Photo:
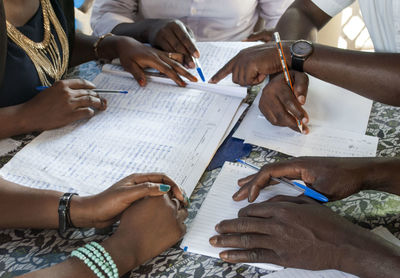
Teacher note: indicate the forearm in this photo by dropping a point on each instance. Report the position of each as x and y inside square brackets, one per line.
[83, 49]
[372, 75]
[74, 267]
[25, 207]
[382, 174]
[138, 30]
[374, 258]
[302, 20]
[14, 122]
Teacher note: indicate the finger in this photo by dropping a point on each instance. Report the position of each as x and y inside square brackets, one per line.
[246, 225]
[186, 41]
[164, 68]
[156, 178]
[78, 84]
[182, 214]
[82, 113]
[243, 241]
[290, 104]
[178, 57]
[245, 180]
[177, 46]
[88, 101]
[250, 256]
[302, 199]
[137, 72]
[178, 68]
[301, 82]
[223, 72]
[137, 192]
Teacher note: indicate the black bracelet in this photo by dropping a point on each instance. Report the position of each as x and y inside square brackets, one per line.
[64, 219]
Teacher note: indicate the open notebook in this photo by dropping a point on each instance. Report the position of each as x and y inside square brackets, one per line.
[219, 205]
[214, 56]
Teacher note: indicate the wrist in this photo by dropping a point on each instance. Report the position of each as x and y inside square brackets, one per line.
[121, 253]
[79, 212]
[382, 174]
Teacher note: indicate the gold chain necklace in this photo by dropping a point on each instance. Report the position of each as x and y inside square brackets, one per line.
[45, 55]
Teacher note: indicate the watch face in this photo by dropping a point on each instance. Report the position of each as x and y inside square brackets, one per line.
[302, 48]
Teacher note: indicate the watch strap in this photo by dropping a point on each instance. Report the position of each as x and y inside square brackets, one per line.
[64, 219]
[297, 63]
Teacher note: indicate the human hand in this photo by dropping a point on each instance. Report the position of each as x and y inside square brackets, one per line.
[147, 228]
[103, 209]
[172, 35]
[336, 178]
[281, 106]
[297, 232]
[252, 65]
[63, 103]
[263, 35]
[135, 57]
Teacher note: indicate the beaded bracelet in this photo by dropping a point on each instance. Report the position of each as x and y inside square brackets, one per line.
[97, 259]
[89, 263]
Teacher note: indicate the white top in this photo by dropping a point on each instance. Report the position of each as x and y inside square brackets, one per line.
[382, 18]
[210, 20]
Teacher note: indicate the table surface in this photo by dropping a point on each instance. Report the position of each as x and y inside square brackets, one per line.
[22, 251]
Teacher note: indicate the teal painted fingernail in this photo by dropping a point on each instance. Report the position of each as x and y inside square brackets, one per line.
[165, 187]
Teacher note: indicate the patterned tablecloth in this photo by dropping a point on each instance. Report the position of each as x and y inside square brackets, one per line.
[22, 251]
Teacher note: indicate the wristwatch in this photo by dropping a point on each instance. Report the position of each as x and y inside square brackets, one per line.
[300, 51]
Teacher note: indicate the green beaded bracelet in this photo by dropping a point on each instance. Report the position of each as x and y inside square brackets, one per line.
[110, 261]
[97, 259]
[88, 262]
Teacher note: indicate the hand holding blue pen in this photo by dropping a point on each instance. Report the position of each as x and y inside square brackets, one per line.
[298, 186]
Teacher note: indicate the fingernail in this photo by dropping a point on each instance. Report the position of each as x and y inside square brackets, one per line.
[196, 54]
[141, 82]
[217, 227]
[195, 79]
[304, 120]
[304, 132]
[183, 84]
[213, 240]
[164, 187]
[301, 99]
[191, 65]
[223, 255]
[235, 195]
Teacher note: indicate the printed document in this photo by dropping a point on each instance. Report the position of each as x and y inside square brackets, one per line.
[338, 121]
[158, 128]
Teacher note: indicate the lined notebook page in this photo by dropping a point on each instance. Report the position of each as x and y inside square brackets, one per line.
[219, 205]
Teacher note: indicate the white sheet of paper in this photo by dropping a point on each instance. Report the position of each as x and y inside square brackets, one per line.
[331, 106]
[214, 55]
[158, 128]
[219, 206]
[325, 137]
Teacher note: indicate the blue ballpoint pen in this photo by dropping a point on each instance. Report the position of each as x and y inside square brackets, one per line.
[302, 188]
[100, 91]
[199, 69]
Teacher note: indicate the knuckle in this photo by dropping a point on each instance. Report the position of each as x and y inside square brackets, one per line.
[253, 256]
[246, 240]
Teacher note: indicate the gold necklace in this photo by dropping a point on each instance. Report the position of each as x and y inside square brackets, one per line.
[45, 55]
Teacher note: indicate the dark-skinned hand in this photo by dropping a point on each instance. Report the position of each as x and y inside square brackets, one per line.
[336, 178]
[252, 65]
[66, 101]
[279, 104]
[298, 232]
[172, 35]
[148, 227]
[103, 209]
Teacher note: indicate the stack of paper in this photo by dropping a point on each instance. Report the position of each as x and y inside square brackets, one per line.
[338, 121]
[159, 128]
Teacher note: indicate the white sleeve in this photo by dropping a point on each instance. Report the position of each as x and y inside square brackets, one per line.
[272, 10]
[107, 14]
[333, 7]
